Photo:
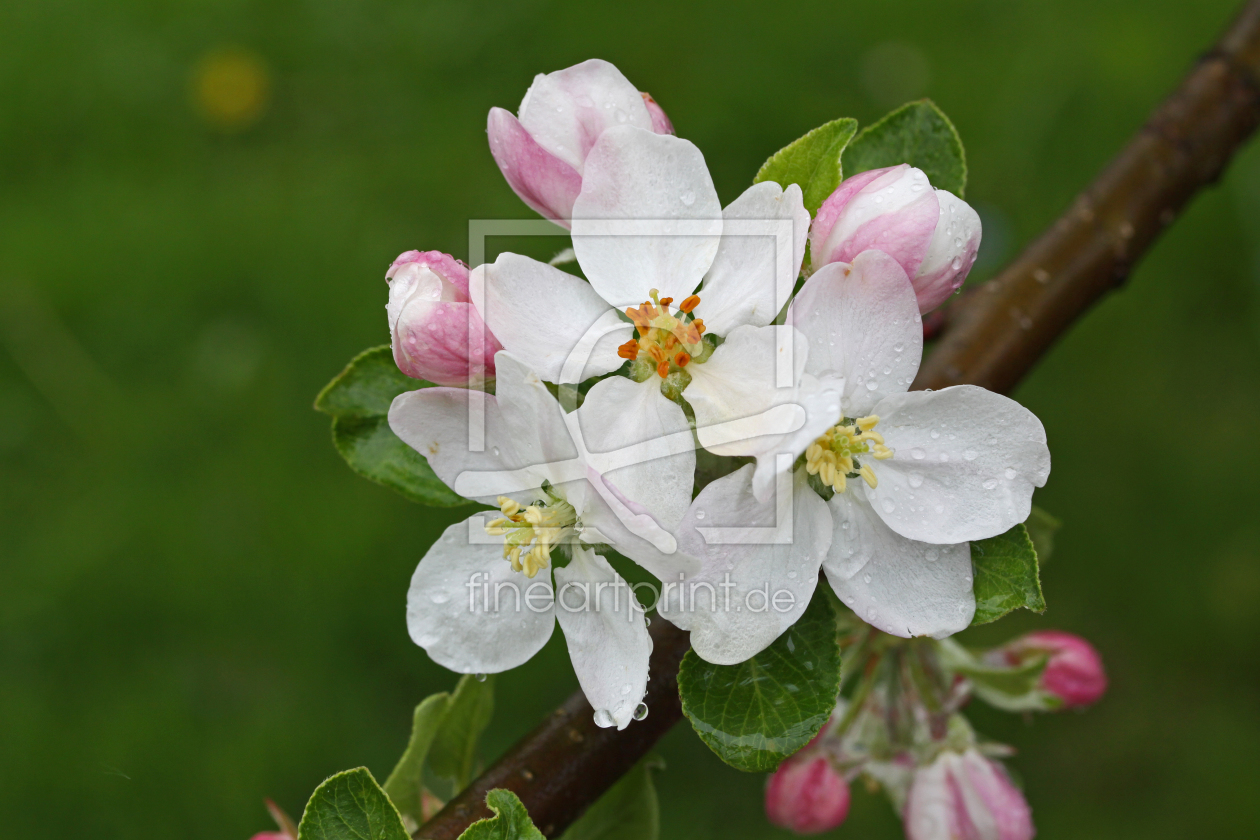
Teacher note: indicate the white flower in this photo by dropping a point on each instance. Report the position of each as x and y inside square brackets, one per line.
[476, 603]
[648, 230]
[914, 476]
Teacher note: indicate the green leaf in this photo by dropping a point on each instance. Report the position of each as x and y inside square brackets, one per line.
[358, 400]
[453, 754]
[405, 784]
[1005, 575]
[627, 811]
[917, 133]
[812, 161]
[351, 806]
[511, 820]
[1041, 529]
[759, 712]
[445, 730]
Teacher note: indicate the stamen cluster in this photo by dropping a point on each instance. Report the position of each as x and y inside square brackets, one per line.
[833, 455]
[666, 343]
[541, 525]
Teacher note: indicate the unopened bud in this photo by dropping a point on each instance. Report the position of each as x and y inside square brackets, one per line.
[965, 796]
[807, 795]
[435, 331]
[1074, 672]
[932, 233]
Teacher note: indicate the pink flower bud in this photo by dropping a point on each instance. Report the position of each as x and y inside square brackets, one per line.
[430, 317]
[807, 795]
[965, 796]
[932, 233]
[1074, 672]
[542, 153]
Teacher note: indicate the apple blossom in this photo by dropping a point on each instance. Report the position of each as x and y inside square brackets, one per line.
[965, 796]
[807, 795]
[472, 604]
[909, 479]
[435, 332]
[543, 152]
[648, 230]
[933, 234]
[1074, 672]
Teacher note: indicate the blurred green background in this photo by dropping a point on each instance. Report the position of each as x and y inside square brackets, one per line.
[200, 605]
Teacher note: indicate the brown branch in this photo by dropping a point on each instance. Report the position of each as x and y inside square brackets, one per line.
[991, 337]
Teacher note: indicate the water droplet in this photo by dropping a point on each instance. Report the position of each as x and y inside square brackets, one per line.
[699, 514]
[889, 505]
[625, 689]
[495, 450]
[967, 578]
[970, 454]
[621, 115]
[872, 385]
[1010, 474]
[479, 677]
[879, 199]
[989, 484]
[604, 719]
[916, 187]
[439, 597]
[916, 479]
[917, 454]
[845, 525]
[957, 242]
[688, 198]
[932, 555]
[956, 264]
[866, 578]
[898, 347]
[935, 434]
[640, 711]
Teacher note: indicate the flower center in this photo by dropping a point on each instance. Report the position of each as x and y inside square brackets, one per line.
[529, 533]
[833, 457]
[665, 343]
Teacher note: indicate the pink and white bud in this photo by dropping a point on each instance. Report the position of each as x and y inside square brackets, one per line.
[807, 795]
[1074, 672]
[965, 796]
[932, 233]
[435, 331]
[543, 150]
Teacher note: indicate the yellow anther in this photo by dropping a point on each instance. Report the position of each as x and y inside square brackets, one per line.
[833, 456]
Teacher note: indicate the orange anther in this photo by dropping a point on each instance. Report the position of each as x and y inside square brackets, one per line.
[666, 301]
[681, 359]
[629, 350]
[662, 370]
[657, 354]
[690, 303]
[699, 322]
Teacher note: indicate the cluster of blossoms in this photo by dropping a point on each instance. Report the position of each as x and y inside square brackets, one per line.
[576, 405]
[902, 731]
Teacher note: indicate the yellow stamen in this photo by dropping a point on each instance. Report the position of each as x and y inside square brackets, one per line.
[530, 533]
[833, 457]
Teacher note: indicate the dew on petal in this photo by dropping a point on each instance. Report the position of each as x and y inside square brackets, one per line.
[1010, 474]
[932, 555]
[604, 719]
[640, 711]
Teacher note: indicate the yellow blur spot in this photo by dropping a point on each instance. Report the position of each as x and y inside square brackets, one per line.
[231, 88]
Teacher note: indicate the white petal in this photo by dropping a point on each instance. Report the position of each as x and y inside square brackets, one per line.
[607, 637]
[965, 465]
[754, 371]
[471, 612]
[763, 243]
[863, 325]
[641, 442]
[544, 316]
[900, 586]
[647, 218]
[523, 431]
[754, 552]
[566, 111]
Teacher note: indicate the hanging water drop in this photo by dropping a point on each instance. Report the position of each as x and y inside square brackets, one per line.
[479, 677]
[604, 719]
[640, 711]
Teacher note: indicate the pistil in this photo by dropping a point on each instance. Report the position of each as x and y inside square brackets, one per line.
[530, 533]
